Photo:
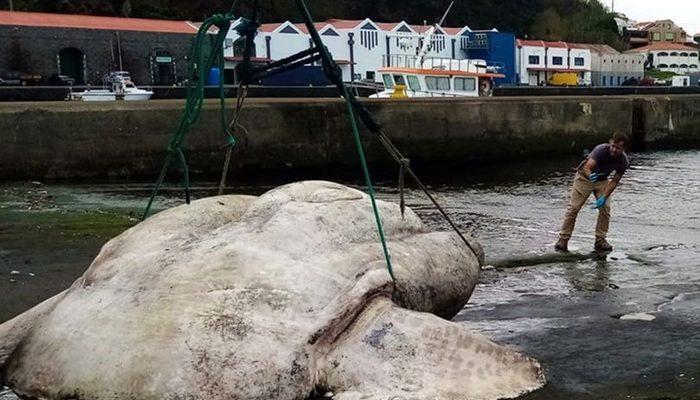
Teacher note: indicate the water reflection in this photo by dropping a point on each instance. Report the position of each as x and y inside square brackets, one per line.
[595, 279]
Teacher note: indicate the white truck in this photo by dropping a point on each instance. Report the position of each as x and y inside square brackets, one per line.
[680, 80]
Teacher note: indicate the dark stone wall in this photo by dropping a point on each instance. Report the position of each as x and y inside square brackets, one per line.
[128, 139]
[35, 50]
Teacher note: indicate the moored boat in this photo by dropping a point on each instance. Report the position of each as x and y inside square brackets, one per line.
[117, 85]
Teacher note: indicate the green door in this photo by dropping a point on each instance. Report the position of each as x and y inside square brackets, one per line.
[71, 62]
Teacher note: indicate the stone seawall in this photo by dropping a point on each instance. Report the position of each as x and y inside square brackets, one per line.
[122, 140]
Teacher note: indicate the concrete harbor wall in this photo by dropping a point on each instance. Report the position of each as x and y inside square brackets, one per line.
[54, 140]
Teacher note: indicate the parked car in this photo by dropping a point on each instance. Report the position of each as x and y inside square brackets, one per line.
[15, 78]
[11, 79]
[680, 81]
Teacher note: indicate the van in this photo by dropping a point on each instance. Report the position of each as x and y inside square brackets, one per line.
[680, 81]
[563, 79]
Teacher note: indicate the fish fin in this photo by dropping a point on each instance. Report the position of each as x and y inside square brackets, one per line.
[15, 330]
[390, 351]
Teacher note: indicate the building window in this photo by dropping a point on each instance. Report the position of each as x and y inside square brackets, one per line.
[604, 80]
[693, 55]
[437, 43]
[674, 65]
[669, 37]
[685, 66]
[618, 81]
[369, 39]
[662, 54]
[684, 54]
[557, 60]
[657, 36]
[674, 54]
[693, 66]
[663, 65]
[533, 60]
[437, 83]
[578, 61]
[465, 84]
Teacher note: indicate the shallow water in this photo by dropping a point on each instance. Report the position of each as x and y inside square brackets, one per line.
[566, 311]
[563, 310]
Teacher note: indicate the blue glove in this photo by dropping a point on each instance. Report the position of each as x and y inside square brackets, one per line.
[600, 202]
[593, 177]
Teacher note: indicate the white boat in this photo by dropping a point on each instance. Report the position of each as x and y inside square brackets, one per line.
[117, 86]
[413, 76]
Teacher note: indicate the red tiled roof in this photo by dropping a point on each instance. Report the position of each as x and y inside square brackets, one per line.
[344, 23]
[318, 25]
[661, 47]
[452, 31]
[94, 22]
[351, 24]
[534, 43]
[560, 45]
[387, 26]
[269, 27]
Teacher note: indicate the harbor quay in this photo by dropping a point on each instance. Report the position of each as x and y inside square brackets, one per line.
[62, 140]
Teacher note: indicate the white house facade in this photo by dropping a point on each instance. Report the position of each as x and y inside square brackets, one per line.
[538, 60]
[671, 57]
[361, 47]
[609, 67]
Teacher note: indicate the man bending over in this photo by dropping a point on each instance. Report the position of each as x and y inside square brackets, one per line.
[592, 177]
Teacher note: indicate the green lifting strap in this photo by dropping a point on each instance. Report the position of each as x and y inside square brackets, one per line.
[200, 65]
[333, 72]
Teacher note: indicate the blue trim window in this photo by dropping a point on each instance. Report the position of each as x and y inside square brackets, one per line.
[578, 61]
[533, 60]
[557, 60]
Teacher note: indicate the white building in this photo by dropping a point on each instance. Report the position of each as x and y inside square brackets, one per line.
[538, 60]
[609, 67]
[360, 47]
[670, 57]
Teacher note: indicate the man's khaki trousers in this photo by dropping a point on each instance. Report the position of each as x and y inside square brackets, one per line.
[580, 191]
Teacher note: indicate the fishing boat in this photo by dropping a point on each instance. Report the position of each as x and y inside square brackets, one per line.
[117, 85]
[416, 76]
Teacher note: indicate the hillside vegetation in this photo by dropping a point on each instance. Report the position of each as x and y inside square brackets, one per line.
[569, 20]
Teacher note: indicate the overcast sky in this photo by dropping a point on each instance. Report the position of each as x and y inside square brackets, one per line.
[685, 13]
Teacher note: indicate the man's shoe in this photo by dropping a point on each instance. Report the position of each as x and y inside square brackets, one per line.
[562, 245]
[602, 245]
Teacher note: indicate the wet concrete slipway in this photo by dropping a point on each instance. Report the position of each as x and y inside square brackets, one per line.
[620, 326]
